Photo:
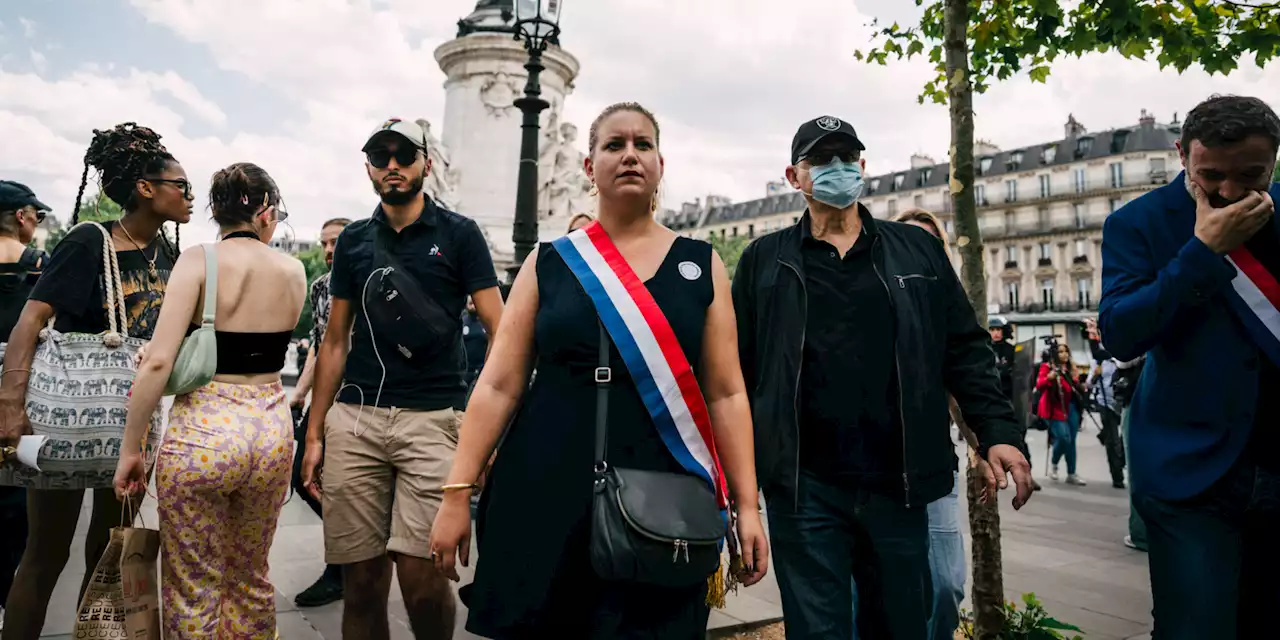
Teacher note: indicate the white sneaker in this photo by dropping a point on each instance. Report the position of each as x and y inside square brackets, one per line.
[1075, 479]
[1053, 473]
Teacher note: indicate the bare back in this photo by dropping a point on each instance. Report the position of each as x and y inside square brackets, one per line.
[260, 290]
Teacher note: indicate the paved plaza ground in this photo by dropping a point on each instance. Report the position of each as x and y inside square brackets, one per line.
[1065, 546]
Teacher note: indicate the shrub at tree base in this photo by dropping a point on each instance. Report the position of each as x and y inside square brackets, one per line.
[1031, 623]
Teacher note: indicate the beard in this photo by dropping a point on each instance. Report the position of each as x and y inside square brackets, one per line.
[398, 194]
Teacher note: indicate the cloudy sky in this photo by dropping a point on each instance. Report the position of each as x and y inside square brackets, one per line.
[295, 85]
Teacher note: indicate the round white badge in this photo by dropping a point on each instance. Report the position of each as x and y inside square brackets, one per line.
[828, 123]
[690, 271]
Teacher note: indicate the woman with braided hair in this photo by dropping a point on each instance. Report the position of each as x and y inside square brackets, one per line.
[139, 174]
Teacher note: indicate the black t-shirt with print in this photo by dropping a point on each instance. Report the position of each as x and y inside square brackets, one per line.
[73, 284]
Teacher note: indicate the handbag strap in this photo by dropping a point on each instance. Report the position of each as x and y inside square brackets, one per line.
[603, 376]
[210, 286]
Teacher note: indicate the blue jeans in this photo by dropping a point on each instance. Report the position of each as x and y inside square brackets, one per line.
[1213, 558]
[828, 537]
[946, 565]
[1064, 439]
[1137, 530]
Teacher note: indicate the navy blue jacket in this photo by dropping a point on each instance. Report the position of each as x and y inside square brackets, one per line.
[1163, 295]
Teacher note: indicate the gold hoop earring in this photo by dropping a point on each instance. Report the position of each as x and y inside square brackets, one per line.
[595, 191]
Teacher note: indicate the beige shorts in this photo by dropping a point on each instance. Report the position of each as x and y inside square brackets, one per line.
[382, 482]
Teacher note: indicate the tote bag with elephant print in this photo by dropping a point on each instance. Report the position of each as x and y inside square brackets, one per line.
[77, 391]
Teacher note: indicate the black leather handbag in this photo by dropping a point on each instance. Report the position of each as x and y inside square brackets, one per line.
[650, 527]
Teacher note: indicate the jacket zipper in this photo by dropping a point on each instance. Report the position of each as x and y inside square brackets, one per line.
[897, 370]
[795, 390]
[902, 280]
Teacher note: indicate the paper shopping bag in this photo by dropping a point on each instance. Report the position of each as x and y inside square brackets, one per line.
[122, 600]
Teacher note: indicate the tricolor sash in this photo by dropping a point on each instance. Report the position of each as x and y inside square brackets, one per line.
[650, 350]
[1255, 297]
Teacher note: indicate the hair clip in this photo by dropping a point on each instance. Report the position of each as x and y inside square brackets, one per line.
[244, 200]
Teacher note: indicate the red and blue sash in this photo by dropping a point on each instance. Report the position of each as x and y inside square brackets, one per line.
[650, 350]
[1255, 297]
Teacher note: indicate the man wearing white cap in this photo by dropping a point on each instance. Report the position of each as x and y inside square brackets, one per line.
[399, 282]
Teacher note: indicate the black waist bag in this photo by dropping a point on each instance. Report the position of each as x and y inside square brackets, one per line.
[403, 314]
[650, 527]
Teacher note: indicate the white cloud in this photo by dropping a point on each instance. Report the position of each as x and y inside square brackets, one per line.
[729, 80]
[39, 62]
[28, 27]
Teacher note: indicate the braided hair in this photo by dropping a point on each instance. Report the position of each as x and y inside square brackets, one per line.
[123, 155]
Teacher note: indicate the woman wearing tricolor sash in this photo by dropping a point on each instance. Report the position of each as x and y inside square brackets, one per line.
[676, 404]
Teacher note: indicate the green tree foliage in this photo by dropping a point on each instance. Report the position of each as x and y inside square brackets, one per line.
[730, 250]
[313, 260]
[1009, 36]
[96, 208]
[1275, 177]
[971, 44]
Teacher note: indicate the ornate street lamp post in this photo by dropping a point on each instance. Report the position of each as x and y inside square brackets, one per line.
[537, 24]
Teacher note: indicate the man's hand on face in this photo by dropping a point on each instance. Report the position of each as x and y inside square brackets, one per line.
[1007, 460]
[1226, 228]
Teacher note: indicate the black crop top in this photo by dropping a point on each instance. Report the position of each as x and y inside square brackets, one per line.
[250, 353]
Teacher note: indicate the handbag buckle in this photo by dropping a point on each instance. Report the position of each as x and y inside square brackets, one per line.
[604, 375]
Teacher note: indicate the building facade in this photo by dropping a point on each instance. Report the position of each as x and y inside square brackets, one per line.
[1040, 210]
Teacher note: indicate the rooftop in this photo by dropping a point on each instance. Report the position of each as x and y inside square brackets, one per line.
[1077, 145]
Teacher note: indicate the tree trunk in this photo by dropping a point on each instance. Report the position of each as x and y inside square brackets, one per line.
[984, 519]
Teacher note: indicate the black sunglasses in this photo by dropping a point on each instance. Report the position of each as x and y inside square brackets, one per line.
[825, 156]
[181, 182]
[381, 157]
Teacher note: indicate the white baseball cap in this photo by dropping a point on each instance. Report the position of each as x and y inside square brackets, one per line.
[407, 129]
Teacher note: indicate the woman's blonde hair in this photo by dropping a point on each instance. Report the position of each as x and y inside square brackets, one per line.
[927, 218]
[580, 216]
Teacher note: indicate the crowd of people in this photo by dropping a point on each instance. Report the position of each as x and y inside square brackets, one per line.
[610, 423]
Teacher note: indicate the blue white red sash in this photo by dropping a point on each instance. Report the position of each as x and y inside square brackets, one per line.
[1256, 301]
[650, 350]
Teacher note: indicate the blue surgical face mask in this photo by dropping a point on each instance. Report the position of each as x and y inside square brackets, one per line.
[837, 183]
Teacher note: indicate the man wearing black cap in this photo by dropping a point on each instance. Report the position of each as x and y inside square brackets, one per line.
[852, 332]
[399, 282]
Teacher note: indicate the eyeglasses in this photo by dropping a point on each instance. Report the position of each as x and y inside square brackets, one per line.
[181, 182]
[824, 157]
[381, 157]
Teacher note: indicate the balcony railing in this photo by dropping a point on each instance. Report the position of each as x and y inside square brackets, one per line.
[1074, 191]
[1005, 231]
[1063, 306]
[1080, 260]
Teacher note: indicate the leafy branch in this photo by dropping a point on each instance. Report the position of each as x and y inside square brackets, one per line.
[1008, 36]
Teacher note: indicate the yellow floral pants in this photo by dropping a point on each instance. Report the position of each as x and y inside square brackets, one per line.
[221, 478]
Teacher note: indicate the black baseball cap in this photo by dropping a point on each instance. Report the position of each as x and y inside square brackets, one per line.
[819, 129]
[15, 195]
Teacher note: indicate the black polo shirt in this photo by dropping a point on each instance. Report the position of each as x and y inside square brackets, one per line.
[848, 385]
[448, 256]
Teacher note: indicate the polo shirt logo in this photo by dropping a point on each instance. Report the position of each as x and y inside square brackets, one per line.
[435, 250]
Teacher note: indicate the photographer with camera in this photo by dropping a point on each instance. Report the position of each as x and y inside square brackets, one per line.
[1057, 406]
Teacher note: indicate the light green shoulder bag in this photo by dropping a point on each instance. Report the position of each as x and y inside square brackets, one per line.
[197, 360]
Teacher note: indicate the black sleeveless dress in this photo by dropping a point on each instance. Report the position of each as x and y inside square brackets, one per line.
[533, 575]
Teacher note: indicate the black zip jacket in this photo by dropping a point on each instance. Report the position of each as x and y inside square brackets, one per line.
[939, 348]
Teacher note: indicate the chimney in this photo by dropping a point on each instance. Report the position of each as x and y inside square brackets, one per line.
[920, 161]
[1073, 127]
[1146, 120]
[984, 148]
